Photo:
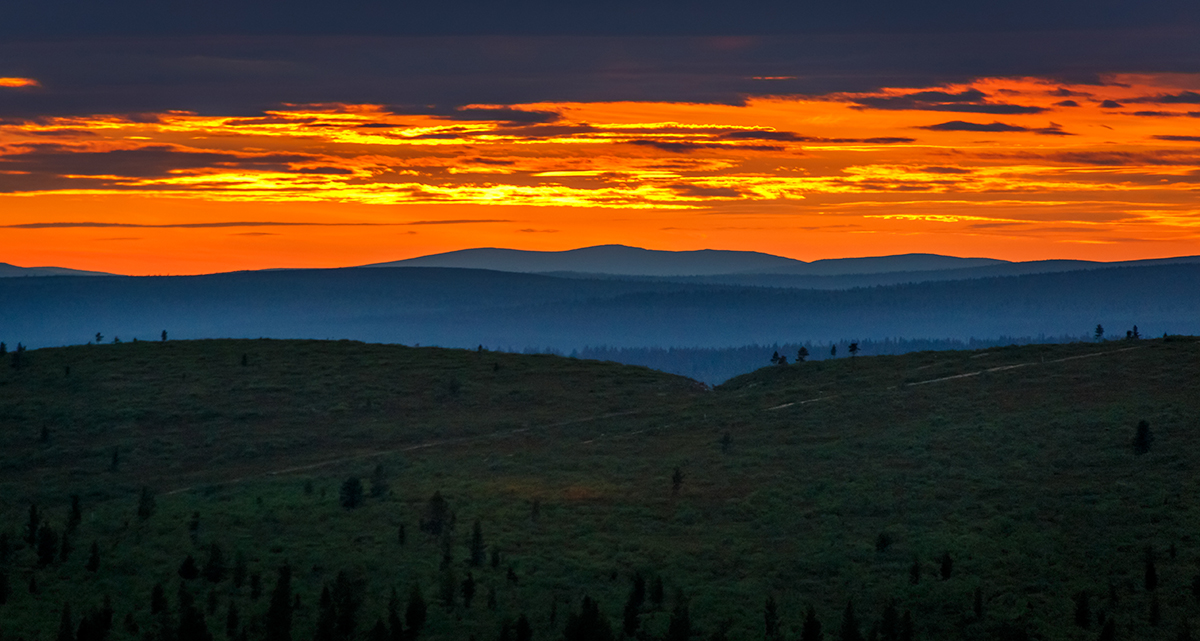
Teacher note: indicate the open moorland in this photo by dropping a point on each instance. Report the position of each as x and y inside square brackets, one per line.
[342, 490]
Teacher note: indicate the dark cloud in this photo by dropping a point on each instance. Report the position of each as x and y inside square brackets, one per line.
[946, 170]
[1066, 103]
[219, 225]
[476, 114]
[966, 101]
[155, 161]
[1063, 92]
[701, 192]
[538, 231]
[752, 134]
[1111, 104]
[996, 127]
[1181, 98]
[688, 147]
[465, 221]
[1177, 138]
[1167, 114]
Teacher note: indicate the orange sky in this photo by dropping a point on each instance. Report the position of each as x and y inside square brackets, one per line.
[1019, 169]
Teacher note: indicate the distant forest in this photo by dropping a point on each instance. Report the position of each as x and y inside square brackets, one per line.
[717, 365]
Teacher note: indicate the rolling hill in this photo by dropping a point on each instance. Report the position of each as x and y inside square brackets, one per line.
[981, 495]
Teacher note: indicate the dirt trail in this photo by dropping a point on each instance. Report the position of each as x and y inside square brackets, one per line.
[1002, 368]
[406, 448]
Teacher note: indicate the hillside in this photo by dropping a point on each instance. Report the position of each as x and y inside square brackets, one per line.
[812, 484]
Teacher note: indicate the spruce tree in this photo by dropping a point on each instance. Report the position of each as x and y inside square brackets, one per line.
[379, 632]
[75, 515]
[326, 617]
[1142, 438]
[415, 612]
[437, 515]
[679, 628]
[395, 628]
[93, 562]
[522, 631]
[771, 620]
[239, 569]
[158, 599]
[47, 546]
[812, 627]
[906, 627]
[633, 605]
[214, 567]
[5, 548]
[588, 624]
[468, 590]
[1083, 610]
[850, 630]
[1151, 579]
[188, 569]
[232, 620]
[1109, 631]
[351, 493]
[889, 623]
[947, 566]
[31, 527]
[4, 588]
[278, 622]
[66, 629]
[478, 549]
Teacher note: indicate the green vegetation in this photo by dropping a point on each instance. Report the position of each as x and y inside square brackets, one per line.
[979, 495]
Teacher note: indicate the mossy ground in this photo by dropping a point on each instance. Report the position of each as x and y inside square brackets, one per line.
[1024, 475]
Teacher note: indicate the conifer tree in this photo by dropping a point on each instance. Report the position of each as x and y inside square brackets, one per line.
[93, 562]
[812, 627]
[676, 480]
[1109, 631]
[1142, 438]
[214, 567]
[1083, 610]
[415, 612]
[947, 566]
[633, 605]
[468, 590]
[158, 599]
[4, 588]
[850, 630]
[522, 630]
[437, 514]
[679, 628]
[32, 525]
[232, 619]
[5, 548]
[478, 549]
[278, 621]
[348, 594]
[656, 592]
[326, 617]
[447, 588]
[1151, 580]
[239, 569]
[188, 569]
[395, 628]
[906, 627]
[588, 624]
[351, 493]
[771, 619]
[75, 515]
[47, 546]
[379, 632]
[66, 629]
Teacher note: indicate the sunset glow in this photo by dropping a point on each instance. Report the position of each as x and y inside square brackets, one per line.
[1018, 169]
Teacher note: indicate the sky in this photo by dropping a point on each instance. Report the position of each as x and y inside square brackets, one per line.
[153, 139]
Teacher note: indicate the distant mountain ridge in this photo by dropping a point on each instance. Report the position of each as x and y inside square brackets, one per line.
[13, 271]
[622, 260]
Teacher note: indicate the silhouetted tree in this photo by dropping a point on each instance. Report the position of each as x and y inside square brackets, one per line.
[478, 549]
[853, 350]
[232, 619]
[146, 503]
[782, 360]
[395, 628]
[633, 605]
[833, 351]
[801, 355]
[588, 624]
[99, 338]
[883, 542]
[415, 612]
[947, 566]
[158, 599]
[4, 587]
[812, 627]
[351, 493]
[522, 629]
[214, 567]
[1136, 335]
[47, 545]
[850, 630]
[676, 480]
[278, 621]
[32, 525]
[1099, 333]
[1083, 610]
[1196, 587]
[74, 515]
[679, 627]
[889, 623]
[1142, 439]
[437, 515]
[3, 348]
[164, 339]
[468, 590]
[775, 358]
[1151, 570]
[188, 569]
[239, 569]
[326, 628]
[66, 629]
[656, 592]
[5, 548]
[771, 620]
[1109, 631]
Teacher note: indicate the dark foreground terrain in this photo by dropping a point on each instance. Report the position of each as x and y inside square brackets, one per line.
[993, 494]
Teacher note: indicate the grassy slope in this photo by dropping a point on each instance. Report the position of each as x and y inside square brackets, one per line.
[1024, 475]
